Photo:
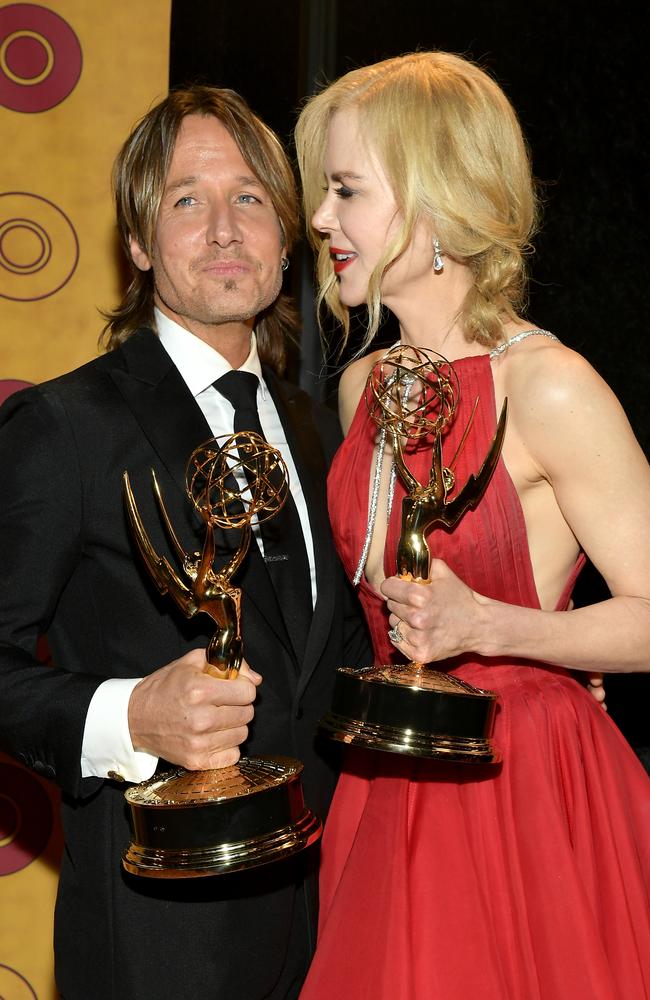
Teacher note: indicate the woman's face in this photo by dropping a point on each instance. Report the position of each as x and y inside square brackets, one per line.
[359, 216]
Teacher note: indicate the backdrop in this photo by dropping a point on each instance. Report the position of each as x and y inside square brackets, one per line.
[74, 76]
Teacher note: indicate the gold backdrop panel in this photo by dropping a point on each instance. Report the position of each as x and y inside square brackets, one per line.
[58, 258]
[74, 77]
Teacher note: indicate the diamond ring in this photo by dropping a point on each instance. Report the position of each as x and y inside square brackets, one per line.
[394, 634]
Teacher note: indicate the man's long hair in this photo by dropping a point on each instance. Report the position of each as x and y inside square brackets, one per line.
[139, 176]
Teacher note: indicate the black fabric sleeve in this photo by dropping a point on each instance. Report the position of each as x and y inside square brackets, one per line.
[41, 523]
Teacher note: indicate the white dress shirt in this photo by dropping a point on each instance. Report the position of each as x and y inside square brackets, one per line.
[107, 750]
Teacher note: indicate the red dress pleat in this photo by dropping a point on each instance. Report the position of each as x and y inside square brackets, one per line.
[524, 881]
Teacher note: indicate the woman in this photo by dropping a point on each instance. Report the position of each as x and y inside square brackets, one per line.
[526, 881]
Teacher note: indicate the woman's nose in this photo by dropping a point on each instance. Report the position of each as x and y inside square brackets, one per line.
[323, 219]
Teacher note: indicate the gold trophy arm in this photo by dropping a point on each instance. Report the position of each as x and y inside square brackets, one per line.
[208, 592]
[161, 572]
[223, 603]
[180, 551]
[230, 568]
[413, 556]
[204, 571]
[408, 478]
[435, 490]
[477, 483]
[225, 649]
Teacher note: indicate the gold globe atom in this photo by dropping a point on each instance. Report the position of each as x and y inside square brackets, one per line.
[213, 487]
[413, 391]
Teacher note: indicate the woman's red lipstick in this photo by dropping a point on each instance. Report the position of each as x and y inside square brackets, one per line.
[341, 258]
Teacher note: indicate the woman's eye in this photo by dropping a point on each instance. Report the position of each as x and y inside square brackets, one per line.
[343, 192]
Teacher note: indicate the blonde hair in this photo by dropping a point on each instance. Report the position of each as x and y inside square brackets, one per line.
[139, 176]
[452, 149]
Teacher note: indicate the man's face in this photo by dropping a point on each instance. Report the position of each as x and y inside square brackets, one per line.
[217, 247]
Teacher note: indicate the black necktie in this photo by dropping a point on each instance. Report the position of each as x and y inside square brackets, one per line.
[285, 554]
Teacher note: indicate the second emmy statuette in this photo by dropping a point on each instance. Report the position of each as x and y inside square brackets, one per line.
[192, 823]
[410, 708]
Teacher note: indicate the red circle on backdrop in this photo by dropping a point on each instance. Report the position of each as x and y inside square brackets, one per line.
[26, 819]
[40, 58]
[27, 57]
[7, 387]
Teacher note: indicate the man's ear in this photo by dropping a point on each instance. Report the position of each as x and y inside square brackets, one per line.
[138, 256]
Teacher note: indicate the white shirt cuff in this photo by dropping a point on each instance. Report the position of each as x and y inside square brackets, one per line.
[107, 750]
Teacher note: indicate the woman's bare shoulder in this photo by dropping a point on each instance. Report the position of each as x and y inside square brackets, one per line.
[540, 372]
[352, 384]
[559, 402]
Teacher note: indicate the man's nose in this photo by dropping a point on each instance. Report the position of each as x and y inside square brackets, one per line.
[223, 226]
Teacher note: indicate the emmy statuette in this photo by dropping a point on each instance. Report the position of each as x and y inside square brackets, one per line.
[193, 823]
[410, 708]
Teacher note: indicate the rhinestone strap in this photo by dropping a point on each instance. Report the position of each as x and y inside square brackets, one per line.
[374, 496]
[521, 336]
[372, 507]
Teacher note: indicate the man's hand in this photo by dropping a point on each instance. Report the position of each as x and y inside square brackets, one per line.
[190, 718]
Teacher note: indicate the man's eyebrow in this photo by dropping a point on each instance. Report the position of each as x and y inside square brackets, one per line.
[249, 180]
[181, 182]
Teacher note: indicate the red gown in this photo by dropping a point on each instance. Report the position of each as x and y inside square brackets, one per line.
[522, 881]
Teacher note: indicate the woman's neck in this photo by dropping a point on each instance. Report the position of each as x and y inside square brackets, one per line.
[429, 312]
[447, 339]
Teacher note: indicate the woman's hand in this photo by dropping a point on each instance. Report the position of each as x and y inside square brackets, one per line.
[437, 619]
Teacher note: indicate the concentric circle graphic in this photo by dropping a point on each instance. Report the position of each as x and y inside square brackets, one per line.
[39, 248]
[26, 820]
[14, 986]
[40, 58]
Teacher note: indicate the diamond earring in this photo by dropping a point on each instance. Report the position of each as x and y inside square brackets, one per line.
[438, 264]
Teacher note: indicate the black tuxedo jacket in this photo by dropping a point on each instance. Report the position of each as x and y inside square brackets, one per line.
[69, 569]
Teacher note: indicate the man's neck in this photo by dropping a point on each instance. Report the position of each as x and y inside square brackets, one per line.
[231, 340]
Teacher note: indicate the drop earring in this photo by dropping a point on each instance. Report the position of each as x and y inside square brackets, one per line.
[438, 264]
[284, 263]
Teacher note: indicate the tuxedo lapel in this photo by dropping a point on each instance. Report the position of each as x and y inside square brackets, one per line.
[173, 423]
[297, 420]
[157, 395]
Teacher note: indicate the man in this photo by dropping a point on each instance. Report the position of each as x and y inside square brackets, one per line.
[207, 212]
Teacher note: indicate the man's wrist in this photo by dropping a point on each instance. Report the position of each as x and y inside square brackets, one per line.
[107, 749]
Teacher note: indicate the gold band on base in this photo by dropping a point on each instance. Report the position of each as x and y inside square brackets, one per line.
[405, 741]
[223, 858]
[192, 823]
[400, 709]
